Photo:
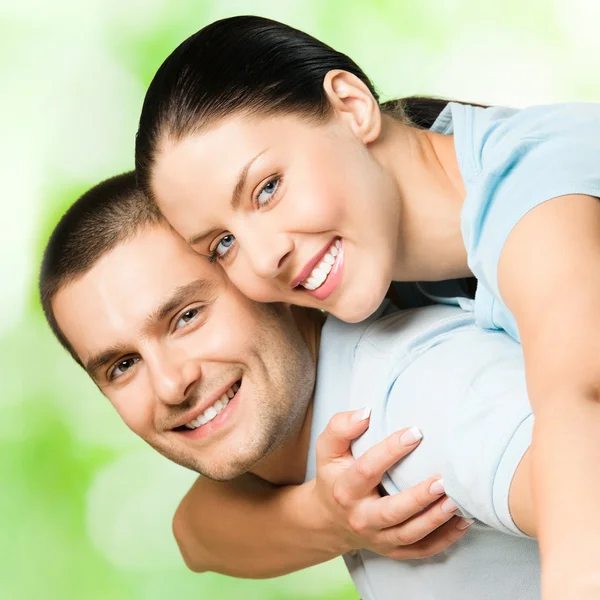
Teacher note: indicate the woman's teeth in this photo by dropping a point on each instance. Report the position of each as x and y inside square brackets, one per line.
[319, 274]
[212, 411]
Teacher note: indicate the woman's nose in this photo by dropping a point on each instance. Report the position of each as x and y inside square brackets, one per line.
[269, 257]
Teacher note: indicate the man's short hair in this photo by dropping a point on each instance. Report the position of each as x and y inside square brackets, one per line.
[107, 215]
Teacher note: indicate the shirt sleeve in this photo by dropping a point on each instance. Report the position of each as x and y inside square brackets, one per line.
[522, 159]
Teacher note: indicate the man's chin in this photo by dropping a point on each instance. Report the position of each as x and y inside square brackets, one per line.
[220, 472]
[216, 470]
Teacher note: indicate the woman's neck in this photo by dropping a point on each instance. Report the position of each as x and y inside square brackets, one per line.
[431, 192]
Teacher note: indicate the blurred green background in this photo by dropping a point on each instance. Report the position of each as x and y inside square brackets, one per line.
[85, 507]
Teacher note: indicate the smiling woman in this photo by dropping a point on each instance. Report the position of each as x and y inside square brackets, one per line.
[294, 120]
[270, 253]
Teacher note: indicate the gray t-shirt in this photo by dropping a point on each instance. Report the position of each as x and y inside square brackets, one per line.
[464, 387]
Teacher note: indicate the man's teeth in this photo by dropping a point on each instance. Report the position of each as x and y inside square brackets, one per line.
[212, 411]
[319, 274]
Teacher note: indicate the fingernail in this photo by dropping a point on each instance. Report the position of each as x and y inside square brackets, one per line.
[361, 414]
[449, 506]
[437, 487]
[408, 438]
[464, 524]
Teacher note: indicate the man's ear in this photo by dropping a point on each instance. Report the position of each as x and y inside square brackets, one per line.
[352, 101]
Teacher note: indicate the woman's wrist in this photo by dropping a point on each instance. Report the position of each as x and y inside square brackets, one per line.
[317, 518]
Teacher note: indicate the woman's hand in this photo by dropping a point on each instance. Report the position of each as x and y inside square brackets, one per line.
[416, 523]
[264, 530]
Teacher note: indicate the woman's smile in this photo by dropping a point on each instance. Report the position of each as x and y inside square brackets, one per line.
[324, 278]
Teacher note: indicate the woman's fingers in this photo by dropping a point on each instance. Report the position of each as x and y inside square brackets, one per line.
[421, 525]
[415, 523]
[342, 428]
[365, 473]
[436, 542]
[390, 511]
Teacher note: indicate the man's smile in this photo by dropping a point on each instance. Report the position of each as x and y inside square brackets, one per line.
[214, 413]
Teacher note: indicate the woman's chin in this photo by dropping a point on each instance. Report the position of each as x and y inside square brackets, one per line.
[357, 309]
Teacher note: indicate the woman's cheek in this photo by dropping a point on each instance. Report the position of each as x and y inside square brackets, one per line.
[318, 212]
[255, 288]
[267, 291]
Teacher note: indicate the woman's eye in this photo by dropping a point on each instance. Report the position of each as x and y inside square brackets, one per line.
[223, 247]
[186, 317]
[123, 366]
[267, 192]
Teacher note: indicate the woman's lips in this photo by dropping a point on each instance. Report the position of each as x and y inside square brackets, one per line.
[332, 279]
[312, 263]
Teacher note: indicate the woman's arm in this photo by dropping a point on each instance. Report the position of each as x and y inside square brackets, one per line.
[250, 528]
[549, 277]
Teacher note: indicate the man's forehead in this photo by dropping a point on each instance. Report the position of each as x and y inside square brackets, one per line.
[130, 285]
[155, 261]
[158, 250]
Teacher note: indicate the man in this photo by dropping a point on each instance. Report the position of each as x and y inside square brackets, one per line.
[227, 386]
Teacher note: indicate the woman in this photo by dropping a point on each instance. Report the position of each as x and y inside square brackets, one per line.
[269, 152]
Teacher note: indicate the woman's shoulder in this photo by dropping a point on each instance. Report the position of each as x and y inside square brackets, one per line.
[487, 138]
[569, 120]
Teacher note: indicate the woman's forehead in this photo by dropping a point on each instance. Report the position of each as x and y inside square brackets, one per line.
[234, 138]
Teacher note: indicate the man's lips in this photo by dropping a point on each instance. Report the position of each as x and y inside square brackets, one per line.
[199, 410]
[311, 264]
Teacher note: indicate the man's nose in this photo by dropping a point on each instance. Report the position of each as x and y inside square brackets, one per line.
[268, 255]
[173, 376]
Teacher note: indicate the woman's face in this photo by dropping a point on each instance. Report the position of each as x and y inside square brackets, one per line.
[294, 212]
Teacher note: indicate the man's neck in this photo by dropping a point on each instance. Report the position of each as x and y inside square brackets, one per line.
[287, 464]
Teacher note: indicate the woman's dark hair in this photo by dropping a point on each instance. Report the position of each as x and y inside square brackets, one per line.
[251, 65]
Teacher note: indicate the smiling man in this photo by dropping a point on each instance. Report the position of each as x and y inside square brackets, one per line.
[229, 387]
[174, 345]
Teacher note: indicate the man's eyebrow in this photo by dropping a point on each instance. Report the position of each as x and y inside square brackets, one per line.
[199, 289]
[101, 359]
[235, 198]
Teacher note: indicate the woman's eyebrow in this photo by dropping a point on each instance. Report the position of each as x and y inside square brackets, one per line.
[199, 237]
[236, 197]
[241, 181]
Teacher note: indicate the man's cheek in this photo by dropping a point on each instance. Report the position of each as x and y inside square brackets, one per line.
[136, 418]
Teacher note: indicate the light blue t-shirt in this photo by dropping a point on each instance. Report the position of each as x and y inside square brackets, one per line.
[512, 160]
[464, 387]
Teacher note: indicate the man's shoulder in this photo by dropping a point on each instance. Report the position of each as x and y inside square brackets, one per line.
[386, 337]
[338, 333]
[405, 331]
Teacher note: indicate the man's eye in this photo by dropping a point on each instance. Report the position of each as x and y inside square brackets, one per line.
[187, 316]
[123, 366]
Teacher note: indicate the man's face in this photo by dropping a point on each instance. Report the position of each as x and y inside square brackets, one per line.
[173, 344]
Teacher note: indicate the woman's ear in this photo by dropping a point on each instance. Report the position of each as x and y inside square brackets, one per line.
[353, 102]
